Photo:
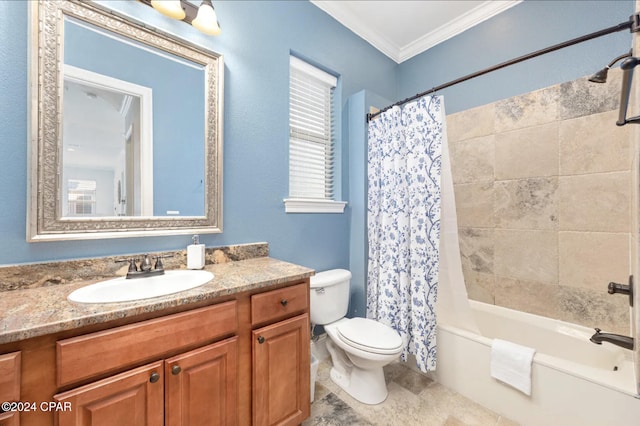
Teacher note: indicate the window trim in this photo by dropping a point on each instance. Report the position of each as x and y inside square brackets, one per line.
[313, 205]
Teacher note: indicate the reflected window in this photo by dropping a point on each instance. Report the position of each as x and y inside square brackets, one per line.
[81, 197]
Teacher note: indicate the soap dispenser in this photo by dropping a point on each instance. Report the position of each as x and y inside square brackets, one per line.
[195, 254]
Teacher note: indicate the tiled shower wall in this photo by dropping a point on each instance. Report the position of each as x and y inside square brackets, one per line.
[543, 196]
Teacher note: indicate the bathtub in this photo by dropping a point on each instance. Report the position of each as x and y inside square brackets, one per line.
[574, 382]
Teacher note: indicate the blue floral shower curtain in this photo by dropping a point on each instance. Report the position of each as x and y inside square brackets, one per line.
[404, 223]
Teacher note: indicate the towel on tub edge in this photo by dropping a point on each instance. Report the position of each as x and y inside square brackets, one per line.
[511, 364]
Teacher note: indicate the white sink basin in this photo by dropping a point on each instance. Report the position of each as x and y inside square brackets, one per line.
[124, 290]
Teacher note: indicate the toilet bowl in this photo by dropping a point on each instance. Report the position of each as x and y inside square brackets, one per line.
[360, 374]
[359, 347]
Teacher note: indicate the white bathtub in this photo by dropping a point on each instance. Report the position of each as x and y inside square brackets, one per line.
[574, 382]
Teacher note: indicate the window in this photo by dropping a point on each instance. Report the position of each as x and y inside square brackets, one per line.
[81, 197]
[311, 140]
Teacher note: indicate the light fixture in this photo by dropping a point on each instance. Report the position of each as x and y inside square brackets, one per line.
[171, 8]
[203, 18]
[207, 20]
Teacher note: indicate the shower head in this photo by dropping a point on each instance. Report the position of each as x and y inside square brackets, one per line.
[601, 76]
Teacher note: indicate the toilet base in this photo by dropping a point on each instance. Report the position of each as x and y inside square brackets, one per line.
[367, 386]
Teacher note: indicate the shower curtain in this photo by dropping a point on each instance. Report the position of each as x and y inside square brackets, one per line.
[404, 161]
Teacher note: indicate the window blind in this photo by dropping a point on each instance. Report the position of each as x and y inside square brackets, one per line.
[311, 131]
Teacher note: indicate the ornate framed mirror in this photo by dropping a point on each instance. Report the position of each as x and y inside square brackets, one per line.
[125, 129]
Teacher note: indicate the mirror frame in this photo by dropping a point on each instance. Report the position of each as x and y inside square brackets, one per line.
[46, 82]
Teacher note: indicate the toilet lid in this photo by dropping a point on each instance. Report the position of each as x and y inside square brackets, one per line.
[370, 335]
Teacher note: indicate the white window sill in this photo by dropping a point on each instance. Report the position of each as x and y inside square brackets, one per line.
[302, 205]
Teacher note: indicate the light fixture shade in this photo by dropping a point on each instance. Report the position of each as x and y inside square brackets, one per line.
[171, 8]
[207, 20]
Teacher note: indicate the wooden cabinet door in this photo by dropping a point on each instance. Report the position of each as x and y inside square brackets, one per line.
[10, 386]
[281, 372]
[132, 398]
[10, 419]
[201, 386]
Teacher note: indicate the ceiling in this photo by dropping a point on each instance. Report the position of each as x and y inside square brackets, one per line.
[402, 29]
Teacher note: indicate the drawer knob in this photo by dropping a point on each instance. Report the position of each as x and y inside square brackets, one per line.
[175, 370]
[154, 377]
[284, 302]
[260, 339]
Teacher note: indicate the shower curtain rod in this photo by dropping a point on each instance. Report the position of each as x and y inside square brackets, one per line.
[633, 24]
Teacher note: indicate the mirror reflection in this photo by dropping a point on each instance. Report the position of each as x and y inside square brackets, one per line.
[103, 143]
[104, 116]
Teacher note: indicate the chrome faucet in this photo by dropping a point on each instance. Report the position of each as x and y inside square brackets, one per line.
[146, 268]
[616, 339]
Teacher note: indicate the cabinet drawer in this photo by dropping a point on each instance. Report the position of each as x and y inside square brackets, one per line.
[277, 304]
[82, 357]
[10, 377]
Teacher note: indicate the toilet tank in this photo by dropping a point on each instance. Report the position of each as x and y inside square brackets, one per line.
[329, 296]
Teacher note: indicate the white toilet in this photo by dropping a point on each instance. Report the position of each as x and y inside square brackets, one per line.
[367, 344]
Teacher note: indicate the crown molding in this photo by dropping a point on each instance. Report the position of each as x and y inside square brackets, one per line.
[475, 16]
[352, 21]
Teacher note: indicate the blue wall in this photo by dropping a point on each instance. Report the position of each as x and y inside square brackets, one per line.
[256, 41]
[526, 27]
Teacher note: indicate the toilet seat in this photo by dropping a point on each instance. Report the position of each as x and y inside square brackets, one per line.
[369, 335]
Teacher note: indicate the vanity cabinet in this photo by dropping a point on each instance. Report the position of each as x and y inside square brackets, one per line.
[240, 359]
[194, 388]
[280, 351]
[10, 386]
[188, 388]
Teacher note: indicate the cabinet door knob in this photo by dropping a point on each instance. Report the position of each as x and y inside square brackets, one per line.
[175, 370]
[284, 302]
[260, 339]
[154, 377]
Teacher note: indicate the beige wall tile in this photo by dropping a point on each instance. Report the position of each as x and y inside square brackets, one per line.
[480, 286]
[593, 259]
[528, 296]
[526, 255]
[579, 306]
[594, 144]
[471, 123]
[530, 109]
[595, 202]
[580, 97]
[528, 152]
[476, 250]
[592, 308]
[474, 204]
[472, 160]
[526, 203]
[543, 196]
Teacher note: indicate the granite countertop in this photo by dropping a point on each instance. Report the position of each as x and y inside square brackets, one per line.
[40, 311]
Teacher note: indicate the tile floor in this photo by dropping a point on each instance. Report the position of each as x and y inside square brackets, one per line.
[413, 399]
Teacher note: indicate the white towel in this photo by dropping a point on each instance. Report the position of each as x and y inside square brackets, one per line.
[511, 364]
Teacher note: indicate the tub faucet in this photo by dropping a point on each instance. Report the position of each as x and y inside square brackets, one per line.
[616, 339]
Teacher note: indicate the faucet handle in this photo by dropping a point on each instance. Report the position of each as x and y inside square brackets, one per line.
[159, 266]
[627, 289]
[131, 262]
